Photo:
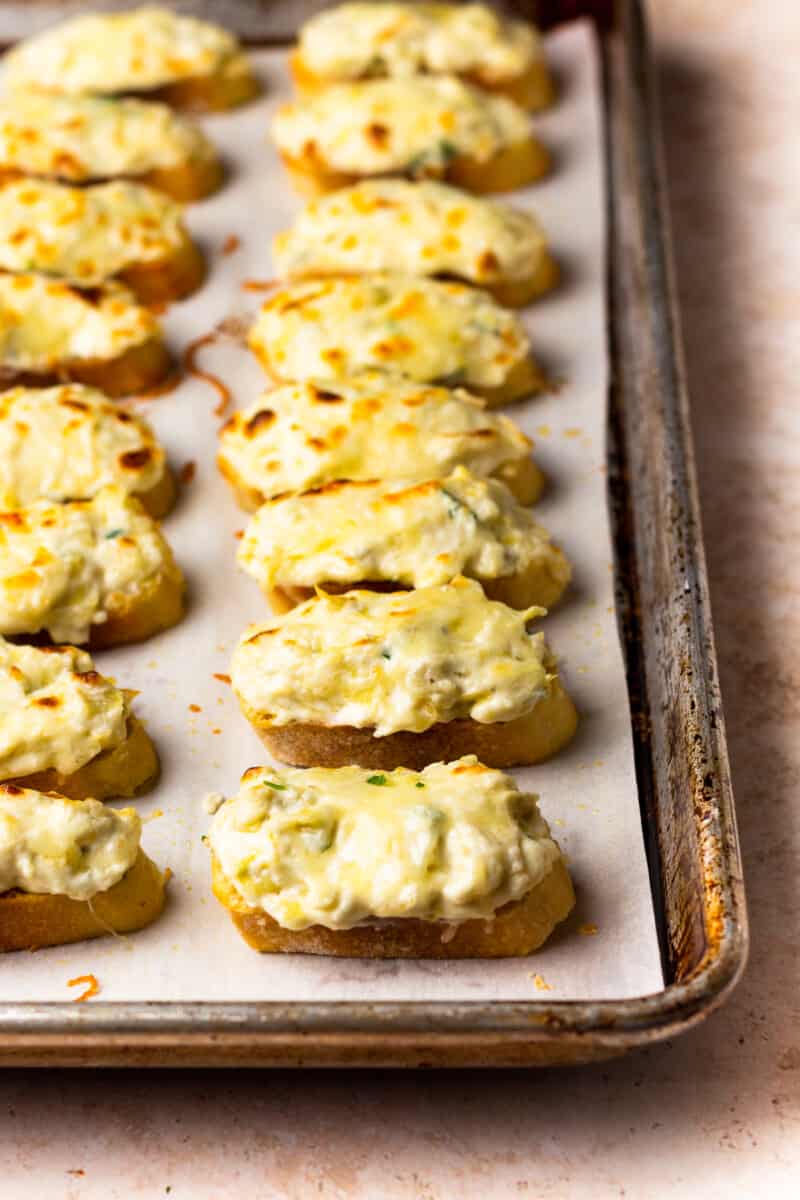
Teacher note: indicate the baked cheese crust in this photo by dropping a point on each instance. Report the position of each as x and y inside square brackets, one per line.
[57, 712]
[49, 329]
[428, 126]
[307, 435]
[81, 139]
[147, 49]
[427, 329]
[87, 235]
[357, 41]
[69, 442]
[423, 228]
[349, 534]
[398, 662]
[344, 848]
[76, 571]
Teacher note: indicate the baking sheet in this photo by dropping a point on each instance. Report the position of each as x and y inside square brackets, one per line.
[608, 949]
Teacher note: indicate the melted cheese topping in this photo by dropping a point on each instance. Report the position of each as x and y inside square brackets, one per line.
[417, 126]
[121, 52]
[68, 442]
[46, 324]
[84, 138]
[417, 535]
[393, 662]
[422, 228]
[339, 847]
[354, 40]
[374, 427]
[62, 566]
[56, 712]
[86, 235]
[424, 328]
[59, 847]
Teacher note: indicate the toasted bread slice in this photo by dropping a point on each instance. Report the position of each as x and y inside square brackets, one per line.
[69, 442]
[403, 679]
[419, 228]
[29, 921]
[87, 139]
[68, 729]
[309, 435]
[126, 770]
[87, 236]
[151, 52]
[428, 330]
[514, 931]
[93, 571]
[359, 41]
[528, 740]
[433, 127]
[51, 332]
[450, 861]
[390, 536]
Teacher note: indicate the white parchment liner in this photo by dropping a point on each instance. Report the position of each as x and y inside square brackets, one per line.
[588, 793]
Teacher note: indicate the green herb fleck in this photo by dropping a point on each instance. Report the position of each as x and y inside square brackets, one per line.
[447, 150]
[420, 784]
[377, 780]
[386, 653]
[279, 787]
[113, 533]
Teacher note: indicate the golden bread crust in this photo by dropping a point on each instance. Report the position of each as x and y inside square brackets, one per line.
[172, 278]
[515, 930]
[529, 739]
[533, 90]
[126, 770]
[135, 370]
[160, 498]
[513, 167]
[159, 604]
[29, 921]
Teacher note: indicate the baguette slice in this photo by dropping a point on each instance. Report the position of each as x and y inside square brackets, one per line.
[516, 930]
[87, 236]
[87, 139]
[30, 921]
[311, 434]
[429, 330]
[65, 728]
[150, 51]
[71, 870]
[403, 679]
[391, 535]
[69, 442]
[51, 332]
[450, 862]
[422, 228]
[433, 127]
[357, 41]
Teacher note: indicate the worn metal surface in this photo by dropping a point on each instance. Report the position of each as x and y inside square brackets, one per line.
[687, 804]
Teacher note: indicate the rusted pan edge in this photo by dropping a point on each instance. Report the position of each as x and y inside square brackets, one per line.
[688, 815]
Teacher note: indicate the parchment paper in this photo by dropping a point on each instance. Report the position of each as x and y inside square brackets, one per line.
[588, 793]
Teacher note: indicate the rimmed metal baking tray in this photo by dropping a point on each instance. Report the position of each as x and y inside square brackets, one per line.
[686, 800]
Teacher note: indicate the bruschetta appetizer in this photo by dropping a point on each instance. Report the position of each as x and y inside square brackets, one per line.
[427, 329]
[85, 139]
[423, 228]
[403, 679]
[426, 127]
[177, 59]
[69, 442]
[307, 435]
[71, 870]
[51, 332]
[362, 41]
[66, 728]
[93, 571]
[393, 535]
[453, 861]
[89, 235]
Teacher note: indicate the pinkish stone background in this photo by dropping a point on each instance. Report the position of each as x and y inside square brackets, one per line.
[717, 1113]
